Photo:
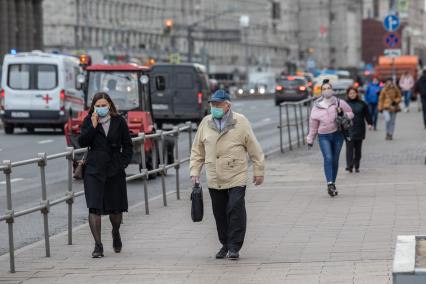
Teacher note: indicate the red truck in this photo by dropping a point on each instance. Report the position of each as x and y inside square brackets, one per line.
[128, 87]
[388, 66]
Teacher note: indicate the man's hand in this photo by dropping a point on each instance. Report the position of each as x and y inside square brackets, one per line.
[195, 179]
[258, 180]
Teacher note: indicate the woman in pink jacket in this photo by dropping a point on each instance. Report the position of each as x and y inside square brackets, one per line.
[322, 122]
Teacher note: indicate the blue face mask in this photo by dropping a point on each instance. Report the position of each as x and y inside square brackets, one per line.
[102, 111]
[217, 112]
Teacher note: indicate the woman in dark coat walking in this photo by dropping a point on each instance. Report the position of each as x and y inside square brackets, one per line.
[357, 133]
[107, 136]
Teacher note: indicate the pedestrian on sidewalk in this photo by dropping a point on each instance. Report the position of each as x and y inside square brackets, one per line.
[222, 142]
[356, 133]
[420, 89]
[389, 100]
[322, 122]
[107, 137]
[371, 97]
[406, 83]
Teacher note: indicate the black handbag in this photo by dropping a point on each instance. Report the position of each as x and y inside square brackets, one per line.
[197, 206]
[342, 121]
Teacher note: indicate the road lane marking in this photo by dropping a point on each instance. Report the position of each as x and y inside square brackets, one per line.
[45, 141]
[12, 180]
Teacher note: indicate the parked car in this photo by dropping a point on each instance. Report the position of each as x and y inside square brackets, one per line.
[291, 88]
[179, 93]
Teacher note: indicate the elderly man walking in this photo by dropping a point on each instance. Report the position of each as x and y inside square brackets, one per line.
[222, 143]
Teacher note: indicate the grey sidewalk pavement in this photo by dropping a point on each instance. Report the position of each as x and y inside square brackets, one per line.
[296, 232]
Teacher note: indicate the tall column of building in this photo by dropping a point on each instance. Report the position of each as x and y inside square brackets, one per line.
[4, 28]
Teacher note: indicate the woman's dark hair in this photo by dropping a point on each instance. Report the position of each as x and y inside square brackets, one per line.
[101, 95]
[326, 82]
[350, 89]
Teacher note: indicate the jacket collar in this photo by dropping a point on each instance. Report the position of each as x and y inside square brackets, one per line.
[112, 126]
[320, 99]
[229, 123]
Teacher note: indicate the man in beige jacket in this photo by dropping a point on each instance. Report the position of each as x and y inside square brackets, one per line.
[222, 143]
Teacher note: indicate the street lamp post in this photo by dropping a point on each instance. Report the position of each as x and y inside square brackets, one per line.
[192, 27]
[244, 23]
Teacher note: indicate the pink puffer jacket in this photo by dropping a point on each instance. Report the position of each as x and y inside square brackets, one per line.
[323, 120]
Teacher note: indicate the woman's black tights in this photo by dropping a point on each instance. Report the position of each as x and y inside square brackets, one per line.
[116, 221]
[95, 224]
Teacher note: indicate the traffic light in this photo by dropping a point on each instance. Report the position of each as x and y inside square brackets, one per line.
[85, 60]
[168, 26]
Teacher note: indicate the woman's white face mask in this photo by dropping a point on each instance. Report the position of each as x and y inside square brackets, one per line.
[327, 91]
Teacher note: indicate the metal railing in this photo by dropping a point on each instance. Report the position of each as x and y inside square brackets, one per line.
[299, 122]
[42, 159]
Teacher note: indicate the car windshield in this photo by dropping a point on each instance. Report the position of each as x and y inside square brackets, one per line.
[122, 87]
[291, 83]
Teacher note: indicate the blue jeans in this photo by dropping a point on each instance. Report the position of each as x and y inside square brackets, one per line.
[372, 108]
[407, 98]
[390, 118]
[330, 145]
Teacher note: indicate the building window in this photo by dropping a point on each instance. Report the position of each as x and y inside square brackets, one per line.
[376, 8]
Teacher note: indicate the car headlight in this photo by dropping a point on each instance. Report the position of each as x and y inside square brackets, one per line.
[262, 91]
[252, 91]
[240, 91]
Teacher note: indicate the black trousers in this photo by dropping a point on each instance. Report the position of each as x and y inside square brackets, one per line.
[353, 153]
[423, 98]
[229, 211]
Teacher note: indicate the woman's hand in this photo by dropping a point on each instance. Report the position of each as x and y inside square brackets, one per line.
[95, 119]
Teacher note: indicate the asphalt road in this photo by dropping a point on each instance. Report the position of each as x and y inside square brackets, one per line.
[26, 191]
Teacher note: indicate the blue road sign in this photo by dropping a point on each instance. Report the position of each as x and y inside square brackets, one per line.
[391, 40]
[391, 23]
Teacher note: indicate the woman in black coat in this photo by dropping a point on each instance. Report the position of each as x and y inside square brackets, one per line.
[107, 136]
[357, 133]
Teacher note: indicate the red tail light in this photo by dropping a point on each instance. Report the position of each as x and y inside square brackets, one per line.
[62, 99]
[356, 84]
[279, 88]
[2, 96]
[200, 98]
[302, 88]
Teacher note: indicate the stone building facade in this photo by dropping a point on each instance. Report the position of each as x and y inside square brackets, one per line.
[21, 25]
[136, 28]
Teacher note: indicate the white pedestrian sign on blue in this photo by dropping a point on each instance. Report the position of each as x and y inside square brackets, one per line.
[391, 23]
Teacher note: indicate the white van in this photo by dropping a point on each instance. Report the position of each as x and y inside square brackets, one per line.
[39, 90]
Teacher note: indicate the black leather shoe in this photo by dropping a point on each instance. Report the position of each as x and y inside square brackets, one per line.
[357, 170]
[116, 242]
[222, 253]
[98, 251]
[233, 255]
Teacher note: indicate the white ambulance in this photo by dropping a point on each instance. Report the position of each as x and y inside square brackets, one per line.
[39, 90]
